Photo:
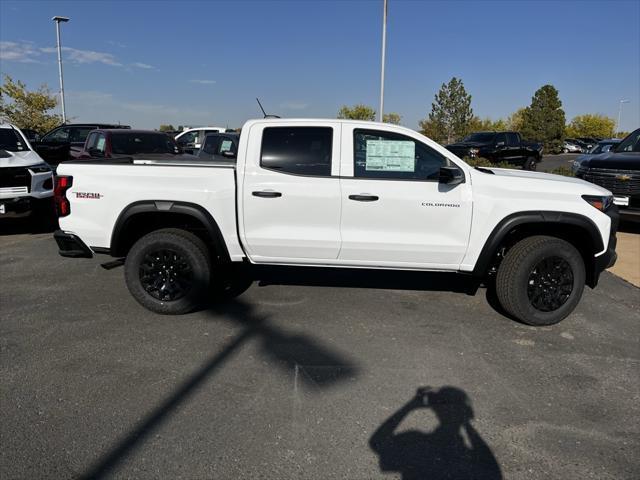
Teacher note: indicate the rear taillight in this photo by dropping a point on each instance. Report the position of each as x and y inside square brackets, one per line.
[63, 183]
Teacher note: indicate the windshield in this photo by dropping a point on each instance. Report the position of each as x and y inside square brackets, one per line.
[134, 143]
[12, 141]
[630, 144]
[483, 137]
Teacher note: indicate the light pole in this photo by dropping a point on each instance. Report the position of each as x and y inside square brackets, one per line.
[384, 45]
[58, 20]
[620, 114]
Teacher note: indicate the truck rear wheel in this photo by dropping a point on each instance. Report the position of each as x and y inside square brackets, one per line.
[168, 271]
[530, 164]
[541, 279]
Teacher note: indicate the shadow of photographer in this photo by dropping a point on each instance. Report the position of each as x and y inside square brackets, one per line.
[454, 450]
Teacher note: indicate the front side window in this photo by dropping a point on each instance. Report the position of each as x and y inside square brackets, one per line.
[141, 142]
[79, 134]
[501, 138]
[389, 155]
[297, 150]
[211, 144]
[11, 140]
[189, 137]
[631, 143]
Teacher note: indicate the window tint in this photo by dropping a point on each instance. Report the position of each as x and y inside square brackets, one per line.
[141, 142]
[512, 140]
[631, 143]
[79, 134]
[211, 144]
[501, 137]
[298, 150]
[393, 156]
[58, 135]
[189, 137]
[11, 141]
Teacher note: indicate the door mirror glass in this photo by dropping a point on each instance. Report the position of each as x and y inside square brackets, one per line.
[228, 154]
[451, 176]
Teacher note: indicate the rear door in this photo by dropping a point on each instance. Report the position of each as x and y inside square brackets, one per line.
[291, 192]
[516, 151]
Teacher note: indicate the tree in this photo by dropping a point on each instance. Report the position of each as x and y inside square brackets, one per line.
[393, 118]
[544, 119]
[516, 120]
[357, 112]
[591, 125]
[166, 128]
[476, 124]
[451, 111]
[28, 109]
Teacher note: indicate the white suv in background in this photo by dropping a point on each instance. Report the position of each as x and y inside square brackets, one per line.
[26, 181]
[191, 139]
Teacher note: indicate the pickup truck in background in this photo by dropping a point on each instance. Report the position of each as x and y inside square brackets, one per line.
[114, 143]
[219, 146]
[67, 141]
[499, 147]
[337, 193]
[191, 140]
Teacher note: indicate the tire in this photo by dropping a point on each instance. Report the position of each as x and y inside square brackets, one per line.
[168, 271]
[530, 164]
[528, 293]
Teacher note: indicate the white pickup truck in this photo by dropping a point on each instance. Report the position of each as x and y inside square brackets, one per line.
[337, 193]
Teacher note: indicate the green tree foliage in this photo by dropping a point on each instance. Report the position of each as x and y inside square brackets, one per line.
[451, 112]
[166, 128]
[393, 118]
[476, 124]
[544, 119]
[28, 109]
[515, 121]
[433, 130]
[357, 112]
[591, 125]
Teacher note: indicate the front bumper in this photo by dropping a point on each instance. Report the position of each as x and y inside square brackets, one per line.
[70, 245]
[609, 257]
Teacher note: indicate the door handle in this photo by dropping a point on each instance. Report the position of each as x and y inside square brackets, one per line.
[363, 198]
[266, 194]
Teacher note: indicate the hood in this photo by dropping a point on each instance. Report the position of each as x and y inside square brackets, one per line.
[614, 161]
[27, 158]
[557, 182]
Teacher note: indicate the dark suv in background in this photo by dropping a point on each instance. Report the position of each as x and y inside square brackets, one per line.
[66, 141]
[618, 171]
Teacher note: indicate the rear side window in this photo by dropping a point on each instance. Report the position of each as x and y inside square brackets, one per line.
[297, 150]
[143, 142]
[393, 156]
[512, 140]
[211, 144]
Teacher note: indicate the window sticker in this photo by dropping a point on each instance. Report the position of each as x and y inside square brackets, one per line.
[225, 146]
[100, 144]
[390, 156]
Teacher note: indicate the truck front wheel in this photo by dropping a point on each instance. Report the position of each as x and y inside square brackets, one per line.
[541, 279]
[168, 271]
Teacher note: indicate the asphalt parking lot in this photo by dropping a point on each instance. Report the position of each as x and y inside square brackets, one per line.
[308, 379]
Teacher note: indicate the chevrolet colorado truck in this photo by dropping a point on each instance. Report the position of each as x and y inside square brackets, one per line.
[337, 193]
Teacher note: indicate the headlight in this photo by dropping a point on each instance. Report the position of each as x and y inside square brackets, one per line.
[602, 203]
[40, 168]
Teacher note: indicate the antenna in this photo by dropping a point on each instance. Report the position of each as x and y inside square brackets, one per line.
[265, 113]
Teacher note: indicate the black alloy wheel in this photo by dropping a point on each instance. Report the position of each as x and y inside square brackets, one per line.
[550, 284]
[166, 275]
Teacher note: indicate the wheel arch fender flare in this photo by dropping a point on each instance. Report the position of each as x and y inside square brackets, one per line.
[546, 218]
[193, 210]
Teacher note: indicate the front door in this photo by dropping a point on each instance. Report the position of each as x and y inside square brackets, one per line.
[291, 193]
[395, 213]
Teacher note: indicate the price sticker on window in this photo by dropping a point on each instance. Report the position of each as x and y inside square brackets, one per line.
[390, 156]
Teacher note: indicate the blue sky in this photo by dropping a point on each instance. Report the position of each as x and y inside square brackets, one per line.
[145, 63]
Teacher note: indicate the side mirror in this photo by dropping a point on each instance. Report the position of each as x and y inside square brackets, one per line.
[228, 154]
[450, 176]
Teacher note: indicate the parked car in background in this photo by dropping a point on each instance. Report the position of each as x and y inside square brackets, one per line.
[114, 143]
[31, 135]
[219, 146]
[618, 170]
[190, 140]
[601, 147]
[590, 142]
[499, 147]
[570, 146]
[67, 141]
[26, 181]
